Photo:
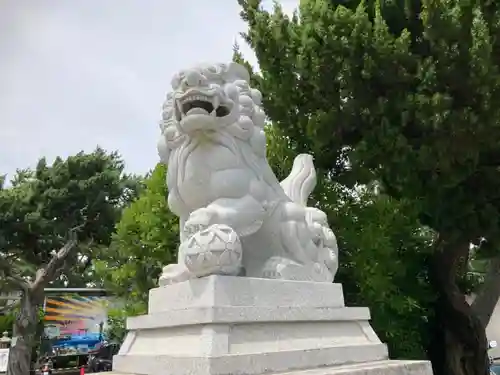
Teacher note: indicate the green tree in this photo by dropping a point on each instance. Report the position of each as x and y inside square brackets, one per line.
[146, 239]
[42, 205]
[52, 217]
[116, 325]
[384, 252]
[6, 323]
[405, 93]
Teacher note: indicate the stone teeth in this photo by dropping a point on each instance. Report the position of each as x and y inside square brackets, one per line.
[215, 102]
[192, 98]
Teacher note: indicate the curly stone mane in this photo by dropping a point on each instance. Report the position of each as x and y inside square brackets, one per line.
[246, 129]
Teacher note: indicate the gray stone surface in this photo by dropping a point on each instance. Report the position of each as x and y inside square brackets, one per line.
[220, 291]
[385, 367]
[225, 325]
[372, 368]
[246, 364]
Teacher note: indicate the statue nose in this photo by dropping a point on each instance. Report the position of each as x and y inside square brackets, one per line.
[194, 79]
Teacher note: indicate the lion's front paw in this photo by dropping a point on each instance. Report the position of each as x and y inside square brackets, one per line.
[215, 250]
[174, 273]
[199, 220]
[285, 269]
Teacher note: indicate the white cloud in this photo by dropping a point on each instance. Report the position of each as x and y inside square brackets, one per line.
[74, 74]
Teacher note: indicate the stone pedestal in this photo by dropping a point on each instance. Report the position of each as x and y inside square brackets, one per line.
[221, 325]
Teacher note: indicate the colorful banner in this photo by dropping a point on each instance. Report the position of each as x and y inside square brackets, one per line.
[74, 324]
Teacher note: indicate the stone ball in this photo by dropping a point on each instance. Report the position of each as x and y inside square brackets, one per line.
[214, 250]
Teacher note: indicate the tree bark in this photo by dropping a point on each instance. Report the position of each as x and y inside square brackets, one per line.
[24, 335]
[458, 344]
[32, 295]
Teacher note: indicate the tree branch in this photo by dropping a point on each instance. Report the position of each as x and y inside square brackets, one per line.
[10, 278]
[487, 298]
[48, 273]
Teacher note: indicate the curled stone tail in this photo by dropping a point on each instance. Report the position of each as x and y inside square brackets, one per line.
[301, 181]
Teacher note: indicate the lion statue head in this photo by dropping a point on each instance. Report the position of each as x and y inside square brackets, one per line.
[211, 100]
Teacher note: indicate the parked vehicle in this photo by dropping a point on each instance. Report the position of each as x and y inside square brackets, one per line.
[494, 368]
[102, 359]
[46, 367]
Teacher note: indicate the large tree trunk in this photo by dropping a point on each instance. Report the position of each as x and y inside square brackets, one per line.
[24, 335]
[459, 344]
[25, 325]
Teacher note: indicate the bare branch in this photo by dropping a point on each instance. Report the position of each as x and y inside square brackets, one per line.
[17, 282]
[10, 278]
[50, 272]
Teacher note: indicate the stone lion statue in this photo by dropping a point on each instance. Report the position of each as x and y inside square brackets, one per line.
[236, 218]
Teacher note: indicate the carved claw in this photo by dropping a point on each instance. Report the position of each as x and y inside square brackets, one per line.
[174, 273]
[198, 221]
[285, 269]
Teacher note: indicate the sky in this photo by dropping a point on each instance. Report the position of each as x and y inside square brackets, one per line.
[81, 73]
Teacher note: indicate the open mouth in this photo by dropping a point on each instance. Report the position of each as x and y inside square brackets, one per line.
[201, 105]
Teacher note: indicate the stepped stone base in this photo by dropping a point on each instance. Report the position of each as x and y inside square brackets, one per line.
[368, 368]
[223, 325]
